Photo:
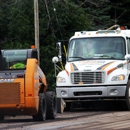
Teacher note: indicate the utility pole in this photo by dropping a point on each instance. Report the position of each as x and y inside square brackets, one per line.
[36, 21]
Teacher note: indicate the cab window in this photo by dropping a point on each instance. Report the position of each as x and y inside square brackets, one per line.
[14, 59]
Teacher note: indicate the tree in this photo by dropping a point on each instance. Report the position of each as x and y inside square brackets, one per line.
[120, 12]
[98, 13]
[18, 24]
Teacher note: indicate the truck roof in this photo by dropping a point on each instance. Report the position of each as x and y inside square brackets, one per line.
[99, 33]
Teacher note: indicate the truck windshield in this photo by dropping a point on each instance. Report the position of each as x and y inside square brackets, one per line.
[94, 48]
[14, 59]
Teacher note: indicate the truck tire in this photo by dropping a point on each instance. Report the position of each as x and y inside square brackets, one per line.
[1, 117]
[41, 115]
[127, 96]
[51, 105]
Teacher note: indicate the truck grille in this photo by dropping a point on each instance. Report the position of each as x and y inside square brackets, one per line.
[9, 93]
[87, 77]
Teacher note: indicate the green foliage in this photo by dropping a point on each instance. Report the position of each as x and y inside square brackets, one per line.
[71, 18]
[18, 27]
[98, 13]
[120, 10]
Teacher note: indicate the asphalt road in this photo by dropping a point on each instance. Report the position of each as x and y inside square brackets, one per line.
[79, 119]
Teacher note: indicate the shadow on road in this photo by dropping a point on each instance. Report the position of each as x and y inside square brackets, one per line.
[99, 106]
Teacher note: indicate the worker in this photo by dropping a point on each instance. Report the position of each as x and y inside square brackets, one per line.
[88, 49]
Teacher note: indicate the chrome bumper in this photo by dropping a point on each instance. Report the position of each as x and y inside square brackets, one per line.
[86, 92]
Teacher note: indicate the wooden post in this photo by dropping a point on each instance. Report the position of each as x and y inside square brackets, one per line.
[36, 22]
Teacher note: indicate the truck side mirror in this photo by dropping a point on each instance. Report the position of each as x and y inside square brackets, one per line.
[127, 57]
[58, 45]
[55, 59]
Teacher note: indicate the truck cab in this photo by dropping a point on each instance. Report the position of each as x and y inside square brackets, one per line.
[101, 74]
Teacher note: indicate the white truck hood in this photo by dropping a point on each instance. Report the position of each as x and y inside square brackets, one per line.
[92, 65]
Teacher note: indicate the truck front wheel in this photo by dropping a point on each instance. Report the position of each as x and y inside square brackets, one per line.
[41, 115]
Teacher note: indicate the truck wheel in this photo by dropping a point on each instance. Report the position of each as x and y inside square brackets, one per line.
[1, 117]
[41, 115]
[127, 96]
[51, 105]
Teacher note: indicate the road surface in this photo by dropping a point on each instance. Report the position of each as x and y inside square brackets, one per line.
[78, 119]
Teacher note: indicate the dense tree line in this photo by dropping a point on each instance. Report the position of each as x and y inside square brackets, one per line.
[58, 20]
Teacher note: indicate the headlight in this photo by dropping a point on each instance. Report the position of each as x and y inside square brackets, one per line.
[118, 78]
[61, 80]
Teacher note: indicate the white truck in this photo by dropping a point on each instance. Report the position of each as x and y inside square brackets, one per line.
[103, 75]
